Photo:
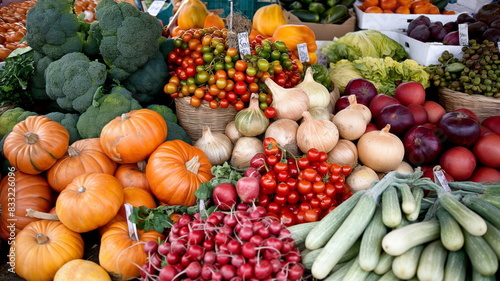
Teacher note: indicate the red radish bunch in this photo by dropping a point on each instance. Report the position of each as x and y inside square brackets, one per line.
[240, 245]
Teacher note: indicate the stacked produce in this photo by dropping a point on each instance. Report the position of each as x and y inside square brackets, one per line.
[326, 12]
[405, 6]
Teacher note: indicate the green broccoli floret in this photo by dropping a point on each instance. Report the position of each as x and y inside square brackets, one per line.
[147, 83]
[166, 112]
[11, 117]
[73, 80]
[129, 37]
[52, 28]
[93, 40]
[37, 80]
[105, 109]
[175, 131]
[68, 120]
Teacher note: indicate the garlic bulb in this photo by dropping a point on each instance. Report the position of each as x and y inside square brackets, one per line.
[317, 93]
[244, 150]
[216, 146]
[251, 121]
[361, 178]
[350, 123]
[316, 133]
[353, 104]
[289, 102]
[344, 153]
[381, 150]
[284, 131]
[232, 133]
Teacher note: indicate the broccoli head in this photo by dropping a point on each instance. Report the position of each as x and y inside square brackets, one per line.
[129, 37]
[11, 117]
[52, 28]
[68, 120]
[175, 131]
[73, 80]
[147, 83]
[37, 80]
[105, 109]
[166, 112]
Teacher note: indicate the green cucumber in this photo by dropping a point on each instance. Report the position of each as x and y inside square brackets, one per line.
[467, 218]
[451, 232]
[432, 261]
[484, 208]
[391, 209]
[371, 242]
[384, 264]
[402, 239]
[332, 3]
[305, 15]
[455, 268]
[418, 194]
[405, 265]
[492, 237]
[335, 14]
[408, 204]
[317, 7]
[297, 5]
[348, 3]
[481, 255]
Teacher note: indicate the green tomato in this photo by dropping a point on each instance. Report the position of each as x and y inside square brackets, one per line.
[220, 65]
[251, 71]
[280, 46]
[208, 57]
[262, 64]
[275, 55]
[202, 77]
[263, 105]
[178, 42]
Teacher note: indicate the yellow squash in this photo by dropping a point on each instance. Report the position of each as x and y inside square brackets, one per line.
[192, 15]
[268, 18]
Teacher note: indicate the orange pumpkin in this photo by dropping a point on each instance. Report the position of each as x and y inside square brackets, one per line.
[43, 247]
[268, 18]
[136, 197]
[293, 34]
[132, 137]
[133, 175]
[175, 170]
[35, 144]
[120, 254]
[213, 20]
[18, 192]
[81, 270]
[89, 201]
[83, 156]
[192, 14]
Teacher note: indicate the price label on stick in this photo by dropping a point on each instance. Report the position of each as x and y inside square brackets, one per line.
[243, 44]
[303, 52]
[463, 34]
[155, 7]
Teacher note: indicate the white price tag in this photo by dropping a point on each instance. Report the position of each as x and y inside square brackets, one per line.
[463, 34]
[243, 44]
[155, 7]
[303, 52]
[132, 228]
[441, 179]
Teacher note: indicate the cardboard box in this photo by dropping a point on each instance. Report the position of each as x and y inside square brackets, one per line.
[423, 53]
[393, 21]
[326, 31]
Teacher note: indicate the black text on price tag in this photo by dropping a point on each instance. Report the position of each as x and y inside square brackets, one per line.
[303, 52]
[243, 44]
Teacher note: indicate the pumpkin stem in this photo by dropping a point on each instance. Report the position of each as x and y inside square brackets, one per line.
[31, 138]
[193, 165]
[73, 151]
[125, 117]
[141, 165]
[41, 215]
[81, 189]
[42, 238]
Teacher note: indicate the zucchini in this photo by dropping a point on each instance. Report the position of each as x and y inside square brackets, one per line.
[432, 262]
[317, 7]
[332, 3]
[455, 268]
[384, 264]
[476, 276]
[328, 225]
[335, 14]
[493, 199]
[418, 194]
[388, 276]
[408, 204]
[492, 237]
[467, 218]
[371, 242]
[355, 272]
[485, 209]
[391, 209]
[305, 15]
[338, 275]
[405, 265]
[400, 240]
[348, 3]
[441, 4]
[451, 232]
[296, 5]
[347, 234]
[300, 231]
[481, 255]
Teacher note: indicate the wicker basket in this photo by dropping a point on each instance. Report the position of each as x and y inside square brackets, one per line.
[193, 119]
[482, 106]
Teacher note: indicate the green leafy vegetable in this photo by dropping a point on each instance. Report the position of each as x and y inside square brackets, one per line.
[159, 217]
[14, 77]
[364, 43]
